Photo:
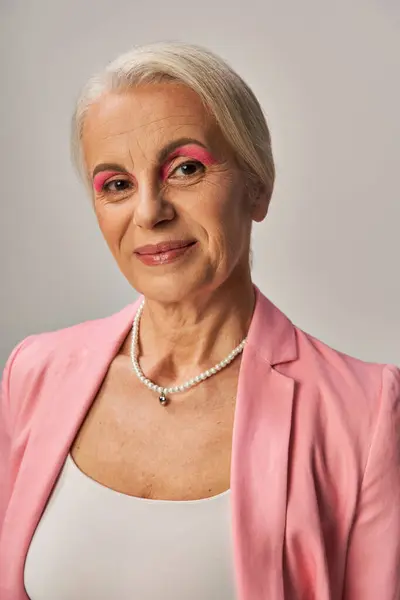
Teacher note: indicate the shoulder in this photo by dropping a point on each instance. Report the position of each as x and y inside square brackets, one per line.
[333, 369]
[38, 356]
[63, 340]
[312, 363]
[351, 402]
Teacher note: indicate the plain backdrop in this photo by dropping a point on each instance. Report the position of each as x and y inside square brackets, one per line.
[328, 77]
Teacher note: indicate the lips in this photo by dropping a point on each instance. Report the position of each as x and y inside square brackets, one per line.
[162, 247]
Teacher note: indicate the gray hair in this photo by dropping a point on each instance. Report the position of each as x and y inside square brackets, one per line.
[224, 93]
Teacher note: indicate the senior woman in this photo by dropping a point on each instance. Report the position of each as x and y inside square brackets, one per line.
[196, 444]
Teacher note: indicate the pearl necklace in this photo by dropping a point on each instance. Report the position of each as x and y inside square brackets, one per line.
[163, 391]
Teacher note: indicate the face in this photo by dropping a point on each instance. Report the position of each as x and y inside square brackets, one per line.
[168, 194]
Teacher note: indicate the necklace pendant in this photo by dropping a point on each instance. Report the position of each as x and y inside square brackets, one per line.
[163, 400]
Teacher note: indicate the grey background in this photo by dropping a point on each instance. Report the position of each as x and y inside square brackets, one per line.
[328, 77]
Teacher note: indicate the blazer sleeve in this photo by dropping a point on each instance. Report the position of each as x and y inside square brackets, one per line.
[6, 426]
[373, 561]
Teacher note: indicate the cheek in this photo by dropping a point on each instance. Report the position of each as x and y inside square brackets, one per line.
[226, 225]
[231, 213]
[235, 228]
[113, 223]
[221, 203]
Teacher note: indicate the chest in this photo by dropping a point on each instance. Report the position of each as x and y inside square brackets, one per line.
[132, 444]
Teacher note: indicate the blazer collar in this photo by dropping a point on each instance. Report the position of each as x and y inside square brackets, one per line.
[272, 335]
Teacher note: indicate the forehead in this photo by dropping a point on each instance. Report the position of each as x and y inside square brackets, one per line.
[145, 119]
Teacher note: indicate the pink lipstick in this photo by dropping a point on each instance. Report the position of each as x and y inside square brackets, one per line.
[164, 252]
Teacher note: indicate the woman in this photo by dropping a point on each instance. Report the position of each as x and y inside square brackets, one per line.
[196, 444]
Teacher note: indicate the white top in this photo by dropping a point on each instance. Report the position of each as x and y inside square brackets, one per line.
[94, 542]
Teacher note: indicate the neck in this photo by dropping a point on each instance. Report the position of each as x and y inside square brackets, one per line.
[195, 333]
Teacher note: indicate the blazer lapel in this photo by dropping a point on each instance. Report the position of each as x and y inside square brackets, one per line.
[260, 454]
[70, 388]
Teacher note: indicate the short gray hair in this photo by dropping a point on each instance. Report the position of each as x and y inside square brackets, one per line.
[224, 93]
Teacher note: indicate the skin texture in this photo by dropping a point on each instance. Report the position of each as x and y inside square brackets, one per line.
[161, 171]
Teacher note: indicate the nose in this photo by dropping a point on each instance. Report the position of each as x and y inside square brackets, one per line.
[151, 208]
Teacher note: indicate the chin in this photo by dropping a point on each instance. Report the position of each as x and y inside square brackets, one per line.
[178, 286]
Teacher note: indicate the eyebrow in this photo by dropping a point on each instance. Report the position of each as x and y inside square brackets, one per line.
[109, 167]
[161, 156]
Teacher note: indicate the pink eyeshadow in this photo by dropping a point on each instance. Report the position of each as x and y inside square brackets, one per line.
[195, 152]
[190, 151]
[100, 179]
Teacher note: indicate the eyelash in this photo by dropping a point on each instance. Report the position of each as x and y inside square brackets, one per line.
[106, 185]
[197, 163]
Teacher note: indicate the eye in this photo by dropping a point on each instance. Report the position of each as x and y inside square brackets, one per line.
[116, 185]
[188, 169]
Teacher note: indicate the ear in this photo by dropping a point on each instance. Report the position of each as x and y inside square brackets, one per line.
[259, 202]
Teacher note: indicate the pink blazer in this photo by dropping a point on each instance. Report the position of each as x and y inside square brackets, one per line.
[315, 459]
